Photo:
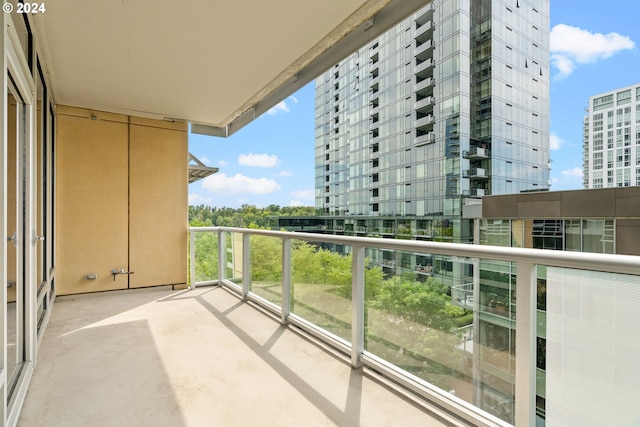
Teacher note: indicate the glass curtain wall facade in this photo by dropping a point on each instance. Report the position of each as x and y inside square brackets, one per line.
[451, 103]
[611, 145]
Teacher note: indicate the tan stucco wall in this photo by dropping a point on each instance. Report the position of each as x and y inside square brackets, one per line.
[121, 201]
[158, 203]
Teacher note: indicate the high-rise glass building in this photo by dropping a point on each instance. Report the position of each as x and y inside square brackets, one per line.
[451, 103]
[611, 143]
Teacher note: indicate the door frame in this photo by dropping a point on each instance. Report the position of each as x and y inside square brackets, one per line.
[15, 63]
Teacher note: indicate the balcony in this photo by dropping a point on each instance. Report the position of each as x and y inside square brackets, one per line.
[477, 192]
[423, 48]
[424, 84]
[422, 29]
[424, 102]
[424, 68]
[235, 340]
[425, 139]
[477, 173]
[476, 153]
[391, 337]
[424, 121]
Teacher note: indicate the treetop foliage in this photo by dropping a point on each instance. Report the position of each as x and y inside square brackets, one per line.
[247, 216]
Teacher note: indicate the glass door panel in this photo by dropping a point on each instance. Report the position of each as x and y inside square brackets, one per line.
[16, 158]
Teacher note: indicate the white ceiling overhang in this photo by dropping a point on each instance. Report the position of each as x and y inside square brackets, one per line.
[217, 64]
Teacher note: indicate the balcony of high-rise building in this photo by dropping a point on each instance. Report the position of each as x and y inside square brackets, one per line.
[424, 30]
[104, 323]
[476, 173]
[423, 48]
[477, 153]
[424, 67]
[423, 84]
[424, 121]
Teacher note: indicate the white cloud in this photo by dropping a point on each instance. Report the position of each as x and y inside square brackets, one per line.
[571, 46]
[222, 163]
[555, 142]
[282, 106]
[568, 179]
[573, 172]
[303, 194]
[296, 203]
[258, 160]
[197, 199]
[239, 184]
[285, 173]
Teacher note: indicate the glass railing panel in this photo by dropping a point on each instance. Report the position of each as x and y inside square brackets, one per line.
[266, 268]
[206, 260]
[592, 347]
[321, 286]
[233, 258]
[432, 323]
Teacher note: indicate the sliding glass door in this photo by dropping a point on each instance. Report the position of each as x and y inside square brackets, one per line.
[16, 232]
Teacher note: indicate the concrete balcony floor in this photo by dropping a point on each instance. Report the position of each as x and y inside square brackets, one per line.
[158, 357]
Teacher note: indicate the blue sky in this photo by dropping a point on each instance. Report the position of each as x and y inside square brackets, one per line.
[595, 47]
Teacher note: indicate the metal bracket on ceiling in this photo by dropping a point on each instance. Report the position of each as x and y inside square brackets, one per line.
[369, 23]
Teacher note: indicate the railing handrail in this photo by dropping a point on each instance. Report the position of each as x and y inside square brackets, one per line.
[622, 264]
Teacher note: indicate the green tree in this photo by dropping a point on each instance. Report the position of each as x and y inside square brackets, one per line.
[206, 256]
[242, 217]
[266, 259]
[425, 303]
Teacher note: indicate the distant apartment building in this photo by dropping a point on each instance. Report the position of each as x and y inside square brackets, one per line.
[451, 103]
[611, 139]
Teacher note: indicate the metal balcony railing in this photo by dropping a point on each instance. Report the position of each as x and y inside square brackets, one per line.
[582, 304]
[475, 153]
[423, 47]
[424, 65]
[475, 173]
[425, 139]
[424, 121]
[423, 84]
[421, 29]
[426, 101]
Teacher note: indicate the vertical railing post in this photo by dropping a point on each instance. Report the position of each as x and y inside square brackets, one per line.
[222, 255]
[286, 280]
[246, 264]
[526, 291]
[477, 396]
[357, 305]
[192, 259]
